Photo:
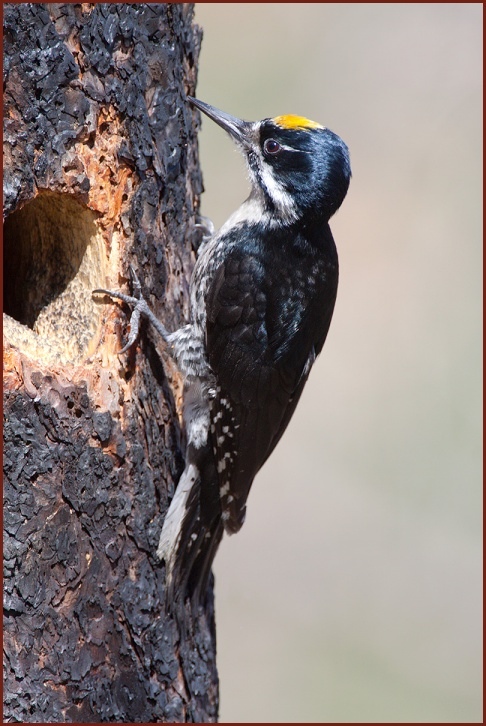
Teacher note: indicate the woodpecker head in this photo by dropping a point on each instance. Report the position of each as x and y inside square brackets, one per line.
[297, 167]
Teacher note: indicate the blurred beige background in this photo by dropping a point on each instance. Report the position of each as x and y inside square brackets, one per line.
[353, 592]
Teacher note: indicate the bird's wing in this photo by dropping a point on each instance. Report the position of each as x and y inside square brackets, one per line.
[260, 371]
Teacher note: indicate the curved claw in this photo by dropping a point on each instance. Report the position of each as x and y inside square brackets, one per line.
[136, 282]
[206, 226]
[206, 229]
[134, 330]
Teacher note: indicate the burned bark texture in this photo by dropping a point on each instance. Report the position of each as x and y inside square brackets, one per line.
[100, 173]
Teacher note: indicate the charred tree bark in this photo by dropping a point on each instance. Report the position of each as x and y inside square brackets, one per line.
[101, 172]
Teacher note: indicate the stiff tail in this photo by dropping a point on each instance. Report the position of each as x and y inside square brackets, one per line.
[192, 530]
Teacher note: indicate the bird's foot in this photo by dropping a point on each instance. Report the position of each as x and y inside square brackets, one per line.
[140, 308]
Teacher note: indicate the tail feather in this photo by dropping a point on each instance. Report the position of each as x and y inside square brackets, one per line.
[175, 523]
[207, 555]
[192, 531]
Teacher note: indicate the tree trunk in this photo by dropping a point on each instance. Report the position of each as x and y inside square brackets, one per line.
[101, 171]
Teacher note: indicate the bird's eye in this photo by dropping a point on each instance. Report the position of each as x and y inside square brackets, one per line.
[271, 146]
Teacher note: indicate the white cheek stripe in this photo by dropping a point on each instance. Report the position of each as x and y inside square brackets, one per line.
[282, 199]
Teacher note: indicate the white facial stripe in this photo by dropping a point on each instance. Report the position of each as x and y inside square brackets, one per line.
[282, 199]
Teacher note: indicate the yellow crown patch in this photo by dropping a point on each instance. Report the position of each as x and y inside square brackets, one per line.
[296, 122]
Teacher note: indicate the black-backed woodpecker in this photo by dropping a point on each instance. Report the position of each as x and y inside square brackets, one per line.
[262, 296]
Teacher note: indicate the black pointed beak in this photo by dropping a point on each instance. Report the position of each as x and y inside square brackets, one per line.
[238, 130]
